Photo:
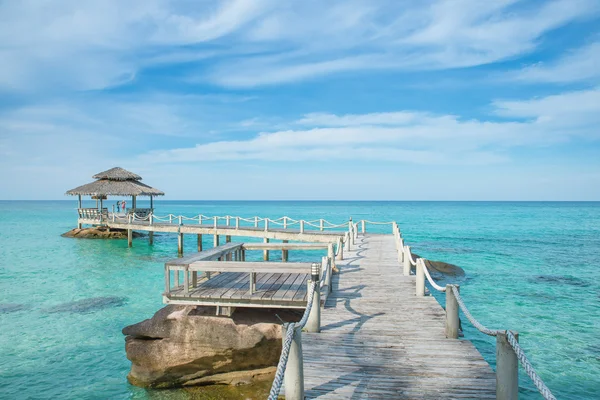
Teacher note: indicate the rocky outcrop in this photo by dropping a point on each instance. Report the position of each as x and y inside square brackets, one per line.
[441, 270]
[189, 345]
[99, 232]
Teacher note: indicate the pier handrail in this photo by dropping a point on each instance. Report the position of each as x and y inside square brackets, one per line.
[287, 343]
[421, 267]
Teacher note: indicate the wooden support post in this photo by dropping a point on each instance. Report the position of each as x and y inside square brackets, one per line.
[407, 265]
[302, 226]
[285, 222]
[266, 252]
[452, 321]
[129, 238]
[293, 377]
[507, 368]
[331, 255]
[347, 240]
[313, 324]
[228, 239]
[194, 278]
[150, 237]
[362, 226]
[228, 220]
[252, 287]
[216, 240]
[321, 224]
[420, 282]
[242, 254]
[199, 242]
[237, 223]
[340, 255]
[180, 244]
[284, 253]
[256, 222]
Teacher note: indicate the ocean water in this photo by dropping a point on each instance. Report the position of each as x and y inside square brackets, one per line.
[531, 267]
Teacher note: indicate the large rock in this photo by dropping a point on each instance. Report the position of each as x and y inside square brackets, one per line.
[189, 345]
[442, 270]
[99, 232]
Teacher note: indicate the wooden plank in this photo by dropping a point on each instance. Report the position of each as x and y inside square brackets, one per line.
[247, 266]
[210, 254]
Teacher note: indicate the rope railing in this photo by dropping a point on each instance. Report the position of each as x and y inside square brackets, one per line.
[287, 344]
[510, 337]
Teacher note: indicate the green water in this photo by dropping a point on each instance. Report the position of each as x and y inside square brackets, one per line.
[531, 267]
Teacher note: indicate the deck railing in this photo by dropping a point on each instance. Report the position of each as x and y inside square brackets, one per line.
[231, 257]
[508, 350]
[93, 214]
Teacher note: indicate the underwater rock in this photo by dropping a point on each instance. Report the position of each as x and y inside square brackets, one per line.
[189, 345]
[560, 280]
[442, 270]
[88, 305]
[99, 232]
[6, 308]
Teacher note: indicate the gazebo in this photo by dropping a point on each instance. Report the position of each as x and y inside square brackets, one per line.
[114, 182]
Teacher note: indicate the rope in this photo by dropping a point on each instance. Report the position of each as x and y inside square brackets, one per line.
[473, 321]
[537, 381]
[285, 351]
[378, 223]
[410, 257]
[435, 285]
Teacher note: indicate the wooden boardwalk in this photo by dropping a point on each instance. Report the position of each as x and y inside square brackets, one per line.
[379, 340]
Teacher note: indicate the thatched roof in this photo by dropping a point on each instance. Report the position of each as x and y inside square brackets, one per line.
[118, 174]
[116, 182]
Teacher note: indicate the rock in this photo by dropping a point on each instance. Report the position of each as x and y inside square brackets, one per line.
[99, 232]
[189, 345]
[6, 308]
[88, 305]
[442, 270]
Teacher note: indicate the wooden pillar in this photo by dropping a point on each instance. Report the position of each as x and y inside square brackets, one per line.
[266, 252]
[507, 368]
[79, 207]
[199, 242]
[129, 238]
[150, 237]
[180, 244]
[216, 240]
[284, 253]
[452, 320]
[151, 203]
[228, 239]
[133, 203]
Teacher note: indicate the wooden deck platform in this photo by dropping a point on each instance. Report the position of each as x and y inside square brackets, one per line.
[280, 290]
[380, 341]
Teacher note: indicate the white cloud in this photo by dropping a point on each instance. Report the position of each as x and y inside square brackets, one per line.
[95, 44]
[408, 137]
[578, 65]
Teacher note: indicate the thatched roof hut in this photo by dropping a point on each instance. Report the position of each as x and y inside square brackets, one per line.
[115, 182]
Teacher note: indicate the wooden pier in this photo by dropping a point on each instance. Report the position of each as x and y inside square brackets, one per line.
[369, 329]
[379, 340]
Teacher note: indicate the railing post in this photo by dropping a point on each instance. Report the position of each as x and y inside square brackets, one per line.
[215, 221]
[180, 222]
[237, 223]
[507, 368]
[328, 263]
[313, 324]
[227, 219]
[321, 224]
[266, 252]
[362, 226]
[452, 321]
[302, 226]
[331, 254]
[340, 255]
[293, 377]
[406, 257]
[200, 219]
[151, 218]
[170, 218]
[347, 240]
[266, 224]
[256, 222]
[420, 278]
[284, 222]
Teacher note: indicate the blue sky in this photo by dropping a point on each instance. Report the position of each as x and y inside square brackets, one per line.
[268, 99]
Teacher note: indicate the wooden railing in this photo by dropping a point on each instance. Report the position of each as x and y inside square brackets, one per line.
[184, 274]
[93, 214]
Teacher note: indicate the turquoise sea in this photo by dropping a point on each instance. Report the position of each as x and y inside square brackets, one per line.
[531, 267]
